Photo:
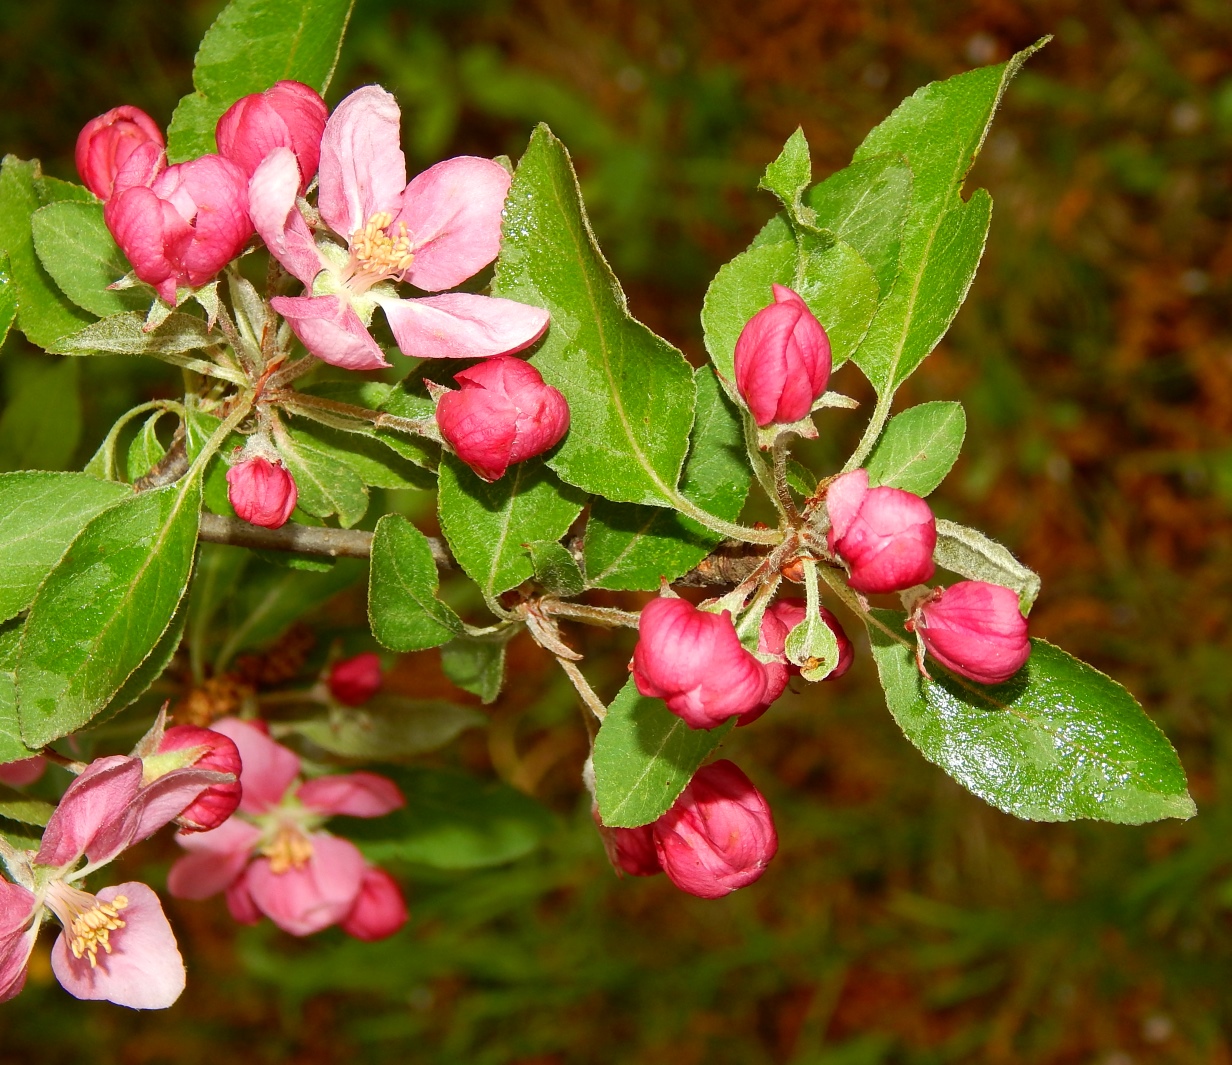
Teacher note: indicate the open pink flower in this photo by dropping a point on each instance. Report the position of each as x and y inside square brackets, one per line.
[274, 859]
[433, 233]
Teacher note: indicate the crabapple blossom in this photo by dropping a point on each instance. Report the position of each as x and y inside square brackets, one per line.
[353, 681]
[289, 114]
[885, 535]
[262, 492]
[105, 143]
[782, 360]
[975, 629]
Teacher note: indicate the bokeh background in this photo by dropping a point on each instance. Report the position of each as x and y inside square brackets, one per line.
[903, 921]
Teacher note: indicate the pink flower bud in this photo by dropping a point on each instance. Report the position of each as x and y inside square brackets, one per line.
[504, 413]
[22, 772]
[633, 850]
[262, 492]
[105, 143]
[974, 628]
[287, 115]
[885, 535]
[379, 909]
[694, 662]
[782, 360]
[218, 753]
[354, 681]
[719, 836]
[180, 225]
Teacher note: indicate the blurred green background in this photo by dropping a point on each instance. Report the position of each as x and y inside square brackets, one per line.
[903, 921]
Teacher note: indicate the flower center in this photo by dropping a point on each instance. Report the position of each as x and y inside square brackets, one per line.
[87, 919]
[289, 849]
[377, 254]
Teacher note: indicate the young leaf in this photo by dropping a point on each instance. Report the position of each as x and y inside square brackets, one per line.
[476, 664]
[40, 515]
[325, 485]
[1056, 742]
[198, 428]
[8, 298]
[630, 393]
[76, 249]
[487, 524]
[125, 334]
[555, 568]
[403, 608]
[631, 547]
[971, 554]
[146, 449]
[29, 439]
[644, 755]
[389, 727]
[104, 607]
[789, 175]
[919, 447]
[251, 45]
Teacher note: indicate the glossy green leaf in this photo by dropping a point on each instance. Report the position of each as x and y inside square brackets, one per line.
[8, 298]
[1058, 741]
[251, 45]
[939, 131]
[326, 486]
[389, 727]
[403, 608]
[29, 439]
[476, 664]
[630, 547]
[971, 554]
[104, 607]
[77, 250]
[630, 392]
[555, 568]
[40, 515]
[156, 662]
[919, 447]
[487, 524]
[644, 755]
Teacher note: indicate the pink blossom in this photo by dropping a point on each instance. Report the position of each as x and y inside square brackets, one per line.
[633, 851]
[105, 143]
[273, 857]
[262, 492]
[975, 629]
[354, 681]
[433, 233]
[885, 535]
[379, 911]
[694, 662]
[782, 360]
[22, 772]
[289, 114]
[503, 413]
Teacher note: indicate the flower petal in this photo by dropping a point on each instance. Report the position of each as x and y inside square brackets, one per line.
[276, 218]
[362, 170]
[452, 213]
[460, 325]
[239, 903]
[144, 969]
[317, 894]
[164, 799]
[96, 815]
[18, 931]
[215, 859]
[332, 331]
[268, 767]
[352, 794]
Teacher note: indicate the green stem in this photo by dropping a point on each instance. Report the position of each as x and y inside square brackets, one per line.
[724, 528]
[871, 432]
[220, 435]
[755, 459]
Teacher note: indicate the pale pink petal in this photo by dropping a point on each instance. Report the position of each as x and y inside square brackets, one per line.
[144, 969]
[276, 218]
[18, 930]
[332, 331]
[452, 213]
[268, 767]
[215, 859]
[240, 904]
[352, 794]
[96, 815]
[316, 895]
[380, 909]
[460, 325]
[362, 170]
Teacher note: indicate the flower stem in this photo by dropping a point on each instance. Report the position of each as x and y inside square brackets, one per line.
[871, 431]
[781, 488]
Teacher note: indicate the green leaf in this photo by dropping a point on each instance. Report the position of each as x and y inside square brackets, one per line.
[451, 821]
[367, 456]
[198, 428]
[8, 298]
[11, 747]
[630, 547]
[156, 662]
[556, 570]
[1058, 741]
[476, 664]
[146, 449]
[919, 447]
[125, 334]
[251, 45]
[389, 727]
[14, 806]
[403, 608]
[487, 524]
[325, 485]
[29, 438]
[812, 645]
[104, 607]
[971, 554]
[630, 392]
[44, 314]
[789, 175]
[40, 515]
[938, 131]
[644, 755]
[77, 250]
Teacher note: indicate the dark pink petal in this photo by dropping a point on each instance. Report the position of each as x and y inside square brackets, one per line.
[276, 218]
[18, 930]
[288, 115]
[216, 753]
[634, 851]
[452, 213]
[317, 894]
[211, 193]
[143, 226]
[885, 535]
[460, 325]
[163, 800]
[977, 630]
[214, 860]
[843, 498]
[363, 170]
[96, 816]
[481, 427]
[782, 360]
[240, 904]
[106, 142]
[144, 969]
[262, 492]
[22, 772]
[351, 794]
[269, 767]
[332, 331]
[380, 909]
[353, 681]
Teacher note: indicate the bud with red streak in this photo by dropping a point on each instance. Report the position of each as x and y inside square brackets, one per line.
[503, 413]
[105, 143]
[354, 681]
[782, 360]
[885, 535]
[694, 662]
[262, 492]
[289, 114]
[218, 753]
[379, 909]
[975, 629]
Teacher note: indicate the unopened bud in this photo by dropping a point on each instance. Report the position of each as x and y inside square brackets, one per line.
[885, 535]
[106, 142]
[975, 629]
[289, 114]
[354, 681]
[379, 910]
[203, 748]
[262, 492]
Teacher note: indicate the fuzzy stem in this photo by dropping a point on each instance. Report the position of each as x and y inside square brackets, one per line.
[606, 617]
[781, 489]
[592, 702]
[871, 431]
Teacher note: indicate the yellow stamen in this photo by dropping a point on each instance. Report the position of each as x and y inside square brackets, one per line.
[290, 849]
[92, 929]
[376, 253]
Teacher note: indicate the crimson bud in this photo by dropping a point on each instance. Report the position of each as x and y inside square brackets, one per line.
[379, 909]
[289, 114]
[262, 492]
[354, 681]
[885, 535]
[975, 629]
[105, 143]
[218, 753]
